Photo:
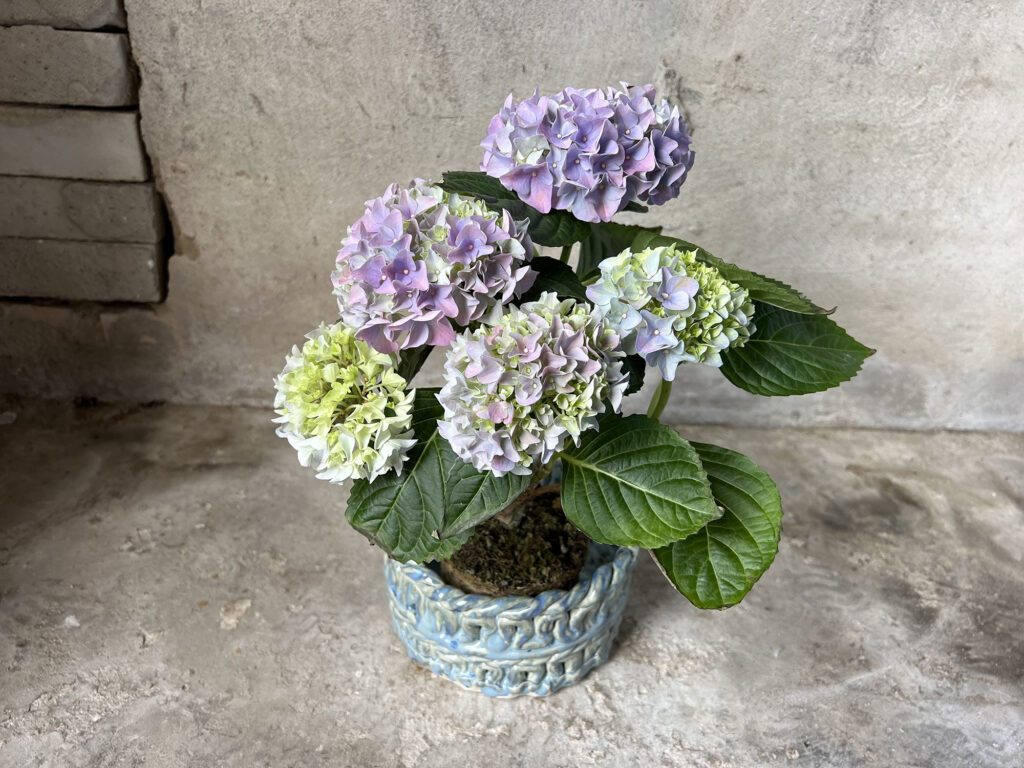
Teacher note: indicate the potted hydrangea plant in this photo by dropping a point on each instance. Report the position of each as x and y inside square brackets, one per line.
[512, 502]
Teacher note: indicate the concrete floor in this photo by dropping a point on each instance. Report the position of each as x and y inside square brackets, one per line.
[175, 590]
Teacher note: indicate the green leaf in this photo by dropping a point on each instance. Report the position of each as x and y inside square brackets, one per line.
[717, 566]
[635, 482]
[473, 497]
[411, 360]
[557, 276]
[635, 366]
[427, 512]
[793, 354]
[606, 240]
[635, 207]
[476, 184]
[556, 228]
[767, 290]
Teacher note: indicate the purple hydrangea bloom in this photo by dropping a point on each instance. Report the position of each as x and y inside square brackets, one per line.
[517, 388]
[589, 152]
[420, 259]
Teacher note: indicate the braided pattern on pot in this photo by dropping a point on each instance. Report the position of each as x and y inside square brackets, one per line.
[512, 645]
[536, 677]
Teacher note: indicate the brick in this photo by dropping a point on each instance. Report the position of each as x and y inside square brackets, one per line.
[40, 65]
[80, 271]
[79, 210]
[71, 144]
[73, 14]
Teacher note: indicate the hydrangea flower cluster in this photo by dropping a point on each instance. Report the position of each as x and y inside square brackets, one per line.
[515, 389]
[343, 407]
[589, 151]
[420, 258]
[671, 308]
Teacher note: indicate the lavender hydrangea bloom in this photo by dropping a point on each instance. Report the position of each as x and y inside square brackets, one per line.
[420, 259]
[589, 152]
[671, 308]
[517, 388]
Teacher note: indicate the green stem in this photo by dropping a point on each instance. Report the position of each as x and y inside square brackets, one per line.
[566, 252]
[660, 399]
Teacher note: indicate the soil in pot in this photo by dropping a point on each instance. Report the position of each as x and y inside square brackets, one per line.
[531, 549]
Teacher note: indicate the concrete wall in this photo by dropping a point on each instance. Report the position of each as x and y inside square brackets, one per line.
[869, 153]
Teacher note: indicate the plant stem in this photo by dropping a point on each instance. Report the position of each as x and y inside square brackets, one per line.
[660, 399]
[566, 253]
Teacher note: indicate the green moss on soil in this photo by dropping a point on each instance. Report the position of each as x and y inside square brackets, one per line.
[542, 551]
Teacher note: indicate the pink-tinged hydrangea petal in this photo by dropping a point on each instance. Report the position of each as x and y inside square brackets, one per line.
[528, 390]
[639, 158]
[375, 333]
[516, 389]
[533, 185]
[420, 258]
[565, 151]
[606, 198]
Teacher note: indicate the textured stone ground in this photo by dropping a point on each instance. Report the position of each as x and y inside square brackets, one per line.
[175, 591]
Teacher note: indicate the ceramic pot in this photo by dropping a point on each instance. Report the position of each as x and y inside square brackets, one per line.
[512, 646]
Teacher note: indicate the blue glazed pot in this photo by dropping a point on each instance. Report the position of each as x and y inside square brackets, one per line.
[512, 646]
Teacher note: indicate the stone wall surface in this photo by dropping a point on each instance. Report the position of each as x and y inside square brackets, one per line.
[869, 154]
[43, 65]
[80, 271]
[71, 143]
[79, 210]
[70, 14]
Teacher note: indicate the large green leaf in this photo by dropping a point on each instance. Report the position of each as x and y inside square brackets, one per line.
[793, 354]
[607, 239]
[426, 512]
[635, 482]
[411, 360]
[556, 228]
[717, 566]
[764, 289]
[557, 276]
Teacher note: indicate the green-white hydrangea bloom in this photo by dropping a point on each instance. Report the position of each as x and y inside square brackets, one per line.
[671, 308]
[343, 407]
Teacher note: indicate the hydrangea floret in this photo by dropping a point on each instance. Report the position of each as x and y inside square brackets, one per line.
[343, 407]
[589, 151]
[420, 258]
[671, 308]
[516, 389]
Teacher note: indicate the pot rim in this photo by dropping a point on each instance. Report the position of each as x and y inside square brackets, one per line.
[606, 566]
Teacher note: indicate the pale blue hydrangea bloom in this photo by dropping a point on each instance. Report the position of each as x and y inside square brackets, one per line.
[671, 308]
[516, 388]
